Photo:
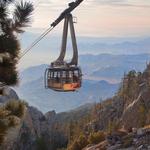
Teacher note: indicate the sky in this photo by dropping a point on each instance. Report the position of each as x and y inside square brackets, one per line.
[97, 18]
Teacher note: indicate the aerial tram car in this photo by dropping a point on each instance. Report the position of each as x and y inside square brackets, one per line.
[62, 76]
[65, 76]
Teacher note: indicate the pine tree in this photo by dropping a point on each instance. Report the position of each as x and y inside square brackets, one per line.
[11, 23]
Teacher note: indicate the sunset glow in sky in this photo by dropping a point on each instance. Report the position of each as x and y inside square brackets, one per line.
[97, 17]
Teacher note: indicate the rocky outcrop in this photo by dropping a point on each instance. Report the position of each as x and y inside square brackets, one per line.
[128, 110]
[38, 130]
[32, 127]
[50, 116]
[137, 113]
[110, 111]
[136, 140]
[7, 95]
[42, 131]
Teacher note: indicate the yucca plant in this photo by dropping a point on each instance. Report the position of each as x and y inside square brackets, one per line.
[12, 23]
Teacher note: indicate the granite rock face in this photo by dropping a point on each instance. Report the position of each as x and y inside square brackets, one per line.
[32, 127]
[139, 140]
[7, 95]
[39, 131]
[137, 113]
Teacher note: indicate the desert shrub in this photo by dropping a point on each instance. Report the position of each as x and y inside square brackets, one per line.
[10, 116]
[41, 145]
[142, 115]
[127, 141]
[148, 117]
[79, 143]
[96, 137]
[113, 126]
[16, 108]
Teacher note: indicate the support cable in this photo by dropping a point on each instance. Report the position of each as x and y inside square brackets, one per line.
[36, 42]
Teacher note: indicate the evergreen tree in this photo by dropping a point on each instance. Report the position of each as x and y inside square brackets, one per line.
[11, 23]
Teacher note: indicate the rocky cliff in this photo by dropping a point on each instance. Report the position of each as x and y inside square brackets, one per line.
[128, 113]
[130, 108]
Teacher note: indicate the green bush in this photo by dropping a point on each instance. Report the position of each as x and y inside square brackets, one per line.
[41, 145]
[10, 116]
[127, 141]
[16, 108]
[79, 143]
[96, 137]
[113, 126]
[142, 115]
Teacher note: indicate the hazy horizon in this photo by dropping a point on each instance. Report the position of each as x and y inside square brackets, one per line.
[100, 22]
[48, 49]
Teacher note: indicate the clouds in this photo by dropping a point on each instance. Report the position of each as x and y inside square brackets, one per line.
[136, 3]
[123, 3]
[51, 3]
[97, 17]
[107, 2]
[54, 4]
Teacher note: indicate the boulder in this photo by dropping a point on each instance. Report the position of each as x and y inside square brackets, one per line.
[8, 94]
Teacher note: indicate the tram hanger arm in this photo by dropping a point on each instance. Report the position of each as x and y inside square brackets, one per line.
[71, 7]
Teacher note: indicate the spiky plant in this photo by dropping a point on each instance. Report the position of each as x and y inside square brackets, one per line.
[12, 23]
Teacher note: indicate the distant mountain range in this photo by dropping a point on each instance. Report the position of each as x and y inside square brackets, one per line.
[111, 67]
[94, 45]
[46, 99]
[95, 68]
[49, 48]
